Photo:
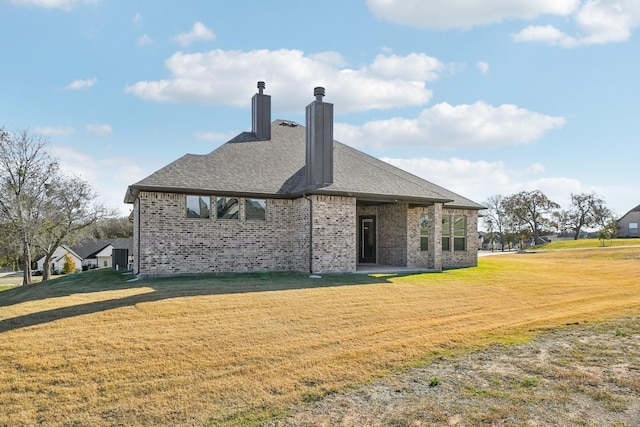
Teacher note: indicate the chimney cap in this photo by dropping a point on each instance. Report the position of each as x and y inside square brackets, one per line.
[261, 87]
[318, 92]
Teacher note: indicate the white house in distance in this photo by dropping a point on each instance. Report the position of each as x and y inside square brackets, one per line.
[91, 254]
[57, 260]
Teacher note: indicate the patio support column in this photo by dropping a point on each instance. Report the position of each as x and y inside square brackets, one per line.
[435, 243]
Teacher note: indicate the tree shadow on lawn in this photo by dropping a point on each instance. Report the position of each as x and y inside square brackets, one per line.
[165, 288]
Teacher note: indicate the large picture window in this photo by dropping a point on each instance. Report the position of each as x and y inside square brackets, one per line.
[459, 233]
[424, 232]
[633, 228]
[227, 208]
[198, 206]
[255, 209]
[446, 233]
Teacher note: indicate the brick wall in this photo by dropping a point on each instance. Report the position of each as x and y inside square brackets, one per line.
[171, 243]
[469, 257]
[334, 234]
[392, 234]
[300, 219]
[167, 242]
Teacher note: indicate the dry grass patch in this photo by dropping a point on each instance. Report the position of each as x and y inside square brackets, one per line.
[95, 350]
[540, 383]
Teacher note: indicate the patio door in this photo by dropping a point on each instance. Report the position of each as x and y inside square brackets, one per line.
[367, 239]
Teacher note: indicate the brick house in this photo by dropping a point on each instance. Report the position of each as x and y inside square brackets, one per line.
[628, 224]
[285, 197]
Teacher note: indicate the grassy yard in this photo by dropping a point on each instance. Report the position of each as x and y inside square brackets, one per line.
[587, 243]
[94, 349]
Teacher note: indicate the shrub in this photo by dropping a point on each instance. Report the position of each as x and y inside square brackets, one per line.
[69, 264]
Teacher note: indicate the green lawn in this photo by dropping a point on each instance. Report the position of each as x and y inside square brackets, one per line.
[587, 243]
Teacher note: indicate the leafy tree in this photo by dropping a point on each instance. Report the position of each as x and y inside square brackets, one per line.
[531, 209]
[69, 265]
[26, 173]
[587, 211]
[111, 228]
[608, 232]
[10, 252]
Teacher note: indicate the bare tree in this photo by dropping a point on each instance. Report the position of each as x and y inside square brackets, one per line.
[26, 172]
[496, 217]
[533, 209]
[71, 206]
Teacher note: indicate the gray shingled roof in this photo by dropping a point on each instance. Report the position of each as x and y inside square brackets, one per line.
[275, 168]
[90, 247]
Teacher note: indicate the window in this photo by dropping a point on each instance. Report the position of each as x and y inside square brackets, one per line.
[446, 233]
[255, 209]
[424, 232]
[459, 233]
[105, 263]
[198, 207]
[633, 228]
[227, 208]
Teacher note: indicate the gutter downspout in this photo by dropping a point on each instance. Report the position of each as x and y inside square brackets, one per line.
[138, 254]
[310, 232]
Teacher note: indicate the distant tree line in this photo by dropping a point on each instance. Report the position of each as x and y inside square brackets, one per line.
[41, 207]
[529, 215]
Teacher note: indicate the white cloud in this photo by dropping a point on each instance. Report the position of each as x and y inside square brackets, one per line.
[99, 130]
[51, 131]
[477, 180]
[109, 176]
[144, 40]
[446, 126]
[137, 18]
[483, 67]
[599, 22]
[464, 13]
[415, 66]
[52, 4]
[330, 58]
[81, 84]
[198, 32]
[229, 78]
[547, 34]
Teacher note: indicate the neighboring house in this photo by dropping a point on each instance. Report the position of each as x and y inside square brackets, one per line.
[628, 224]
[285, 197]
[57, 259]
[98, 253]
[93, 253]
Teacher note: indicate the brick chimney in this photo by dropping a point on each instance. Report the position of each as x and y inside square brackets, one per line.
[319, 161]
[261, 114]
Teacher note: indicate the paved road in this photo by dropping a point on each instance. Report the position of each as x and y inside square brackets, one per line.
[11, 274]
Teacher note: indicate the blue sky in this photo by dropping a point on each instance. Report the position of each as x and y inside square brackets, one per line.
[484, 97]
